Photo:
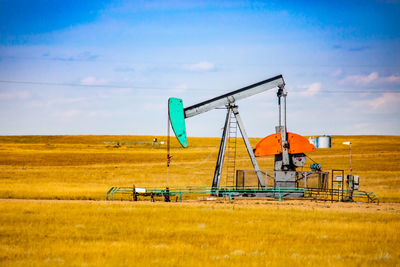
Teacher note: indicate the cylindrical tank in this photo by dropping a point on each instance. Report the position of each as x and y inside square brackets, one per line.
[324, 141]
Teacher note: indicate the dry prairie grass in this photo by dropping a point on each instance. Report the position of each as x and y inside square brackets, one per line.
[84, 167]
[250, 233]
[76, 233]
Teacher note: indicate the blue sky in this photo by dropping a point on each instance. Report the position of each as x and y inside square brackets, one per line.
[108, 67]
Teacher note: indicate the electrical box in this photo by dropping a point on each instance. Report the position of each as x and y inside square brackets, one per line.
[356, 181]
[352, 182]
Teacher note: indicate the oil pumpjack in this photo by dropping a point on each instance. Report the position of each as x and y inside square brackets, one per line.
[288, 148]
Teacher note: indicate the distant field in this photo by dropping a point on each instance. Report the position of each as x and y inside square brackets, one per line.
[64, 229]
[84, 167]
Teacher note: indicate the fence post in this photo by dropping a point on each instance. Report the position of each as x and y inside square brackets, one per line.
[279, 190]
[134, 196]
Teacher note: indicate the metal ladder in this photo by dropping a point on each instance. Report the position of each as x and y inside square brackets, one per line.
[230, 158]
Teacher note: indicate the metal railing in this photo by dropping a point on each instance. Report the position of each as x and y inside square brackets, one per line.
[181, 193]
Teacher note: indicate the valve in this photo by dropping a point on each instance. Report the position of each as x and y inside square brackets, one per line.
[315, 167]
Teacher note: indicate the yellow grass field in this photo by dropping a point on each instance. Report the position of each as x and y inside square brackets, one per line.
[75, 233]
[46, 218]
[84, 167]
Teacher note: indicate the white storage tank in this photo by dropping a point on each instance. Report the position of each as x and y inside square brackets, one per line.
[324, 141]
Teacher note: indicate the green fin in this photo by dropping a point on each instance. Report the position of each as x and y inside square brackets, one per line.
[177, 119]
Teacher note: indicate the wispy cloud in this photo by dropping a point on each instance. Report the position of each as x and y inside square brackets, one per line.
[309, 90]
[91, 80]
[392, 79]
[84, 56]
[14, 95]
[387, 102]
[360, 79]
[337, 73]
[372, 78]
[201, 66]
[359, 48]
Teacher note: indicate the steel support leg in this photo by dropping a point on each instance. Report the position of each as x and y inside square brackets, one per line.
[248, 146]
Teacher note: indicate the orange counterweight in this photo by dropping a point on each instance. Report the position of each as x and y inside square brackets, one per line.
[271, 145]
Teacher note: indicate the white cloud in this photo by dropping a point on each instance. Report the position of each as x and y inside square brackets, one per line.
[373, 77]
[388, 102]
[337, 73]
[392, 79]
[14, 95]
[91, 80]
[84, 56]
[201, 66]
[360, 79]
[309, 90]
[313, 89]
